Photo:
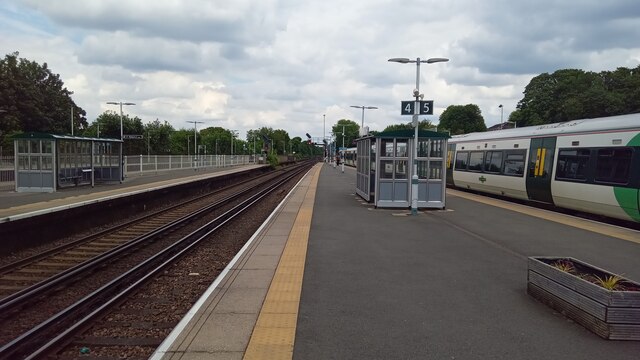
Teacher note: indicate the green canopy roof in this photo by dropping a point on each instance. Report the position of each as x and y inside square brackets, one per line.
[409, 133]
[37, 135]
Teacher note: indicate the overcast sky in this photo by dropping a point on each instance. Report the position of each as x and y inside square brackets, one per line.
[246, 64]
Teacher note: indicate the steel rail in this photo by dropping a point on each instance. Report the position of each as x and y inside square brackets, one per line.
[27, 341]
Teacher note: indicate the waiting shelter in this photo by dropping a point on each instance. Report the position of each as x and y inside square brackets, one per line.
[384, 168]
[47, 162]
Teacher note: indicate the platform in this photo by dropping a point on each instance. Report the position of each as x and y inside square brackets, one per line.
[382, 284]
[17, 205]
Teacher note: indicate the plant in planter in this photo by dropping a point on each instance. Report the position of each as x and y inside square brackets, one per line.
[605, 303]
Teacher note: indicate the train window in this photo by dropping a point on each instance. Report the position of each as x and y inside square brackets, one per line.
[462, 159]
[493, 161]
[475, 160]
[613, 165]
[572, 164]
[514, 163]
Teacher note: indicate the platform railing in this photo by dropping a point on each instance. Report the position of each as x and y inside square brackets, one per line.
[151, 164]
[7, 173]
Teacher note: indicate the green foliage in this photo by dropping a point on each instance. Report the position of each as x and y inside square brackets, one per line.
[34, 99]
[423, 124]
[570, 94]
[272, 159]
[462, 119]
[564, 265]
[608, 282]
[351, 132]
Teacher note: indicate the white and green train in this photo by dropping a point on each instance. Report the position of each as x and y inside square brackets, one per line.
[589, 165]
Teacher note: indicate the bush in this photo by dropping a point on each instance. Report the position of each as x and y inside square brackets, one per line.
[273, 160]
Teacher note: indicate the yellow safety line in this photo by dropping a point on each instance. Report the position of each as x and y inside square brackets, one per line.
[608, 230]
[274, 334]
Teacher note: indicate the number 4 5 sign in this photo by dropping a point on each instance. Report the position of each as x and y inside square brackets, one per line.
[407, 107]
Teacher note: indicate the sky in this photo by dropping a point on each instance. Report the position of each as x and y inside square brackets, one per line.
[300, 65]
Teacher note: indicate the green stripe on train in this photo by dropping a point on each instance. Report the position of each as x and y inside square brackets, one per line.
[628, 197]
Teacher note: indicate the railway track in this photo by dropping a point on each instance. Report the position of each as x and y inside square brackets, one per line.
[120, 271]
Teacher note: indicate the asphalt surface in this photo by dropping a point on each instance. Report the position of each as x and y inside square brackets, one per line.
[380, 284]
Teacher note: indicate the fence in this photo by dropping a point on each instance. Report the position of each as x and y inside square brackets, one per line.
[144, 164]
[7, 173]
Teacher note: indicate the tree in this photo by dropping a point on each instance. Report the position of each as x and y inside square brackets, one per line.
[351, 132]
[462, 119]
[570, 94]
[35, 99]
[109, 125]
[424, 124]
[157, 138]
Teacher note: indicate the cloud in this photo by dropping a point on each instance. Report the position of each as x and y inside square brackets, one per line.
[281, 63]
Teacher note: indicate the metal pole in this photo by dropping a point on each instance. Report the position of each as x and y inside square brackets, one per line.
[362, 122]
[71, 120]
[414, 177]
[342, 157]
[324, 137]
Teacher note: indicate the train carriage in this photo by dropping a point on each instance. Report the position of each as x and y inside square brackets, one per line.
[590, 165]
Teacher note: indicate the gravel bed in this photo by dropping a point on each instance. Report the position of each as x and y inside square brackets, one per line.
[154, 310]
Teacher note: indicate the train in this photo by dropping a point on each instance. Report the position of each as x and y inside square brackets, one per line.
[586, 165]
[348, 155]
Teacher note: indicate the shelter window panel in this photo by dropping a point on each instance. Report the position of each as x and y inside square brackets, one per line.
[47, 147]
[47, 163]
[475, 160]
[372, 157]
[423, 170]
[462, 159]
[401, 169]
[423, 147]
[387, 147]
[34, 163]
[435, 169]
[23, 146]
[401, 148]
[436, 148]
[387, 169]
[613, 165]
[34, 146]
[23, 162]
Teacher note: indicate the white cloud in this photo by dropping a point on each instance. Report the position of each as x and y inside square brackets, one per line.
[283, 64]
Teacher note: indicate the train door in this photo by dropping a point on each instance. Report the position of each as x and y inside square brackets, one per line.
[540, 167]
[451, 152]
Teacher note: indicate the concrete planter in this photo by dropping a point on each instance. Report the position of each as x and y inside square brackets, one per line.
[611, 314]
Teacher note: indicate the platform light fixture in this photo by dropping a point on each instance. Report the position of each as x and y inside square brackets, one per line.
[121, 135]
[363, 108]
[418, 96]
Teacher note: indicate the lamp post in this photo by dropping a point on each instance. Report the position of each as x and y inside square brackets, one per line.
[363, 108]
[195, 140]
[121, 135]
[416, 93]
[501, 110]
[233, 135]
[324, 121]
[342, 156]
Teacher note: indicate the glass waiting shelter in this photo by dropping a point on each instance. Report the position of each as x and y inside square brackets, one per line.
[384, 168]
[47, 162]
